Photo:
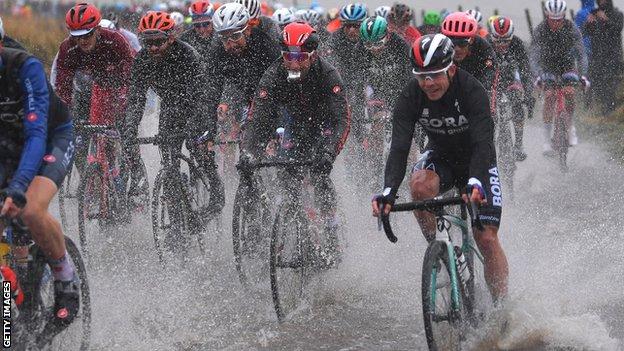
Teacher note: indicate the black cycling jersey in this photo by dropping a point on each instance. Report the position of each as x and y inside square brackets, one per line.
[388, 72]
[429, 29]
[198, 42]
[317, 106]
[181, 82]
[459, 127]
[342, 54]
[11, 43]
[480, 62]
[515, 59]
[557, 52]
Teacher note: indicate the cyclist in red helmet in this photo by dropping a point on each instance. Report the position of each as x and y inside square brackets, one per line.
[177, 74]
[399, 21]
[200, 36]
[453, 109]
[106, 57]
[514, 75]
[316, 115]
[472, 53]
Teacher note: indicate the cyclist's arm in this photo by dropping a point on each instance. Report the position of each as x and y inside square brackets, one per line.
[65, 74]
[36, 105]
[489, 64]
[481, 130]
[404, 120]
[535, 52]
[123, 59]
[579, 51]
[136, 101]
[261, 119]
[201, 95]
[522, 57]
[340, 116]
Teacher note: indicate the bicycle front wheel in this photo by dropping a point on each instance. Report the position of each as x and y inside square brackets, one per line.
[289, 267]
[442, 304]
[561, 135]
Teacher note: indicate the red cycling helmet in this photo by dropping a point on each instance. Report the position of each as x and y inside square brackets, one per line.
[503, 28]
[459, 25]
[299, 36]
[201, 8]
[157, 22]
[82, 19]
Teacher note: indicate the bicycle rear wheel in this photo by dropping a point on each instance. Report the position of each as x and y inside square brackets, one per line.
[93, 205]
[443, 308]
[289, 268]
[561, 137]
[38, 305]
[506, 155]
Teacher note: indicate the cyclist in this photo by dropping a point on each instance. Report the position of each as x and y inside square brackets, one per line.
[312, 93]
[176, 73]
[342, 42]
[452, 107]
[399, 20]
[557, 50]
[382, 11]
[472, 53]
[8, 42]
[200, 37]
[238, 58]
[283, 17]
[130, 37]
[315, 20]
[36, 152]
[514, 75]
[264, 23]
[431, 24]
[481, 30]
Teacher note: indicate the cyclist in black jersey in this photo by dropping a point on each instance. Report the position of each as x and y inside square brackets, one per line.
[453, 108]
[200, 36]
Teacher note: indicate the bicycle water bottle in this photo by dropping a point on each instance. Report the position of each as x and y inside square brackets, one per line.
[462, 264]
[8, 275]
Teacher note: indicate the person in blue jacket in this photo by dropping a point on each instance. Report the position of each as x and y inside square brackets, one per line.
[36, 152]
[587, 6]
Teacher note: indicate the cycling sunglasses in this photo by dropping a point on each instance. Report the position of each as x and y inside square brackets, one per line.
[234, 36]
[84, 36]
[431, 75]
[296, 56]
[149, 42]
[461, 42]
[375, 44]
[202, 24]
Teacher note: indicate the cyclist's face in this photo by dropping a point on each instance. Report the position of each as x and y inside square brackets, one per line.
[555, 24]
[298, 62]
[204, 29]
[87, 42]
[352, 31]
[437, 87]
[158, 47]
[233, 43]
[462, 49]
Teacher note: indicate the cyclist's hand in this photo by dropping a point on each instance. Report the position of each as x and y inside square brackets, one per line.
[324, 162]
[476, 192]
[207, 146]
[245, 160]
[586, 83]
[384, 200]
[14, 202]
[222, 110]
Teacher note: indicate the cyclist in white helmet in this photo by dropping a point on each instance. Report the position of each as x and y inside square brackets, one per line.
[382, 11]
[256, 19]
[556, 52]
[283, 17]
[315, 20]
[482, 31]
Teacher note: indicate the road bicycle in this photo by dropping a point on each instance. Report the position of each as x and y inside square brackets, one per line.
[448, 273]
[32, 321]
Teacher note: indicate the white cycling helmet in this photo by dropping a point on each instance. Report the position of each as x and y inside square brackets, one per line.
[382, 11]
[230, 16]
[311, 17]
[555, 9]
[283, 16]
[177, 17]
[253, 6]
[1, 29]
[106, 23]
[476, 14]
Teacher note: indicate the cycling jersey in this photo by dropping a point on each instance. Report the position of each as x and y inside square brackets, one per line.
[109, 64]
[30, 115]
[459, 128]
[480, 62]
[317, 106]
[180, 80]
[132, 39]
[243, 71]
[515, 59]
[197, 41]
[340, 53]
[557, 52]
[410, 34]
[429, 29]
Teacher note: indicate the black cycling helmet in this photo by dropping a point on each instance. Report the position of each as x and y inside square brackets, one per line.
[400, 13]
[432, 52]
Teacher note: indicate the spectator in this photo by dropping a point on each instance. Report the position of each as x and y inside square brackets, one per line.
[604, 28]
[587, 6]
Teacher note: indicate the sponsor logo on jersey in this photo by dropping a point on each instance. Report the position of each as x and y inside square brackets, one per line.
[336, 89]
[495, 187]
[32, 117]
[262, 94]
[49, 158]
[453, 122]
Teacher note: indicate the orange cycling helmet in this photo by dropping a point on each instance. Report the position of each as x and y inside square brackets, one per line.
[299, 36]
[201, 8]
[459, 25]
[82, 19]
[156, 21]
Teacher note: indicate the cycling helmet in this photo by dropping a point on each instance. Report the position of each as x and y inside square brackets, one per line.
[253, 6]
[157, 22]
[432, 52]
[503, 28]
[108, 24]
[400, 13]
[432, 18]
[373, 29]
[112, 16]
[490, 23]
[283, 16]
[353, 12]
[459, 25]
[177, 17]
[82, 19]
[1, 29]
[201, 9]
[555, 9]
[162, 7]
[311, 17]
[476, 14]
[299, 36]
[382, 11]
[230, 16]
[333, 13]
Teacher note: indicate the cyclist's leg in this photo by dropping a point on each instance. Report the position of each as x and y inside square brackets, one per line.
[206, 161]
[45, 229]
[517, 112]
[430, 176]
[570, 105]
[550, 100]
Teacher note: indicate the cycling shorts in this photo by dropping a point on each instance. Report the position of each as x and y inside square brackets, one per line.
[59, 155]
[454, 175]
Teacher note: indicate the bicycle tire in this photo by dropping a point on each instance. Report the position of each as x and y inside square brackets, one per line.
[88, 187]
[563, 142]
[158, 241]
[286, 297]
[435, 266]
[506, 155]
